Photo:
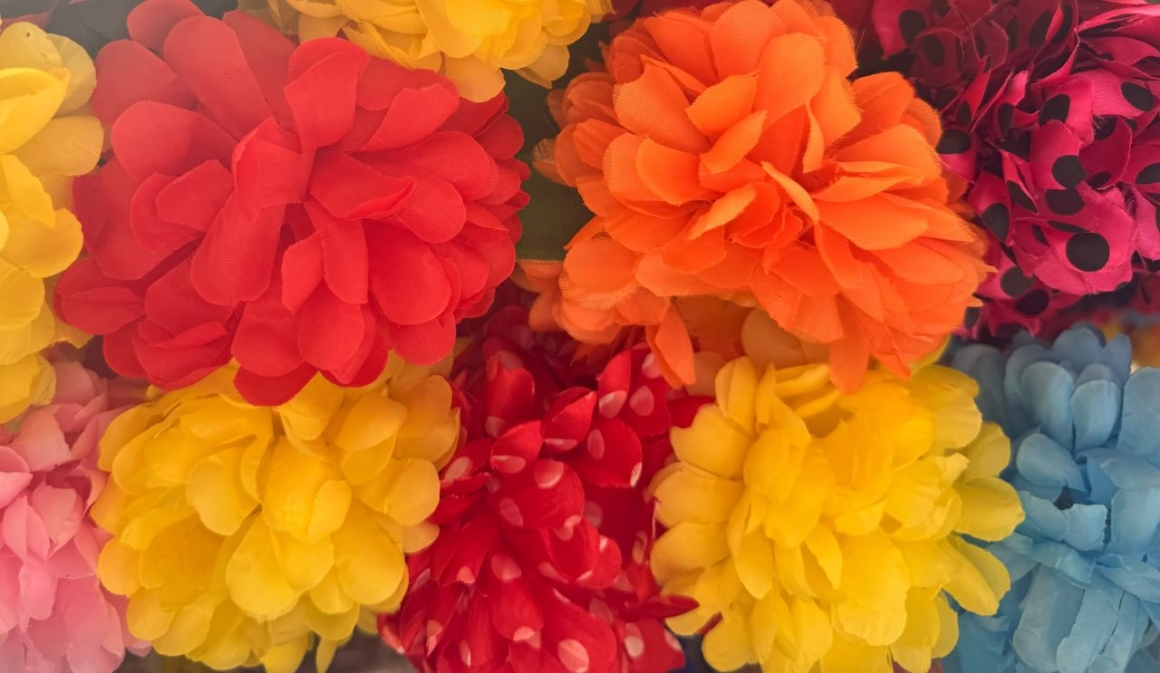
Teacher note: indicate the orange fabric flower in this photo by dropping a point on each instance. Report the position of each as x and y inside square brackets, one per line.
[725, 152]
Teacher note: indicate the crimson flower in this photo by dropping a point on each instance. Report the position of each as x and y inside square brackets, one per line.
[541, 563]
[299, 209]
[1049, 109]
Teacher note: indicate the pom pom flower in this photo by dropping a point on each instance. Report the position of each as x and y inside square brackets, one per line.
[470, 41]
[242, 533]
[725, 153]
[54, 614]
[1084, 563]
[545, 534]
[1049, 108]
[46, 138]
[823, 531]
[307, 213]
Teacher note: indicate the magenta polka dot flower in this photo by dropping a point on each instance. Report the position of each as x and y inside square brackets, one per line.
[1050, 111]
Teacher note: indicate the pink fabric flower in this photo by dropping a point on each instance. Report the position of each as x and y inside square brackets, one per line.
[1049, 110]
[54, 614]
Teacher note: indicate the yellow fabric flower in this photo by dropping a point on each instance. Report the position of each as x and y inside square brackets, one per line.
[824, 528]
[47, 137]
[242, 533]
[469, 41]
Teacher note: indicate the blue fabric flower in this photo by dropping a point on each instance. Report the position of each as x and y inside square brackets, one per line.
[1085, 563]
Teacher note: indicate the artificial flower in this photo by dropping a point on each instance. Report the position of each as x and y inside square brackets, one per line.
[1085, 564]
[308, 213]
[823, 531]
[1049, 108]
[242, 534]
[46, 138]
[545, 531]
[54, 614]
[1015, 301]
[470, 41]
[724, 153]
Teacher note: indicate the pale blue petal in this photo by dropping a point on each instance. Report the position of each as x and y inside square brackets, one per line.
[1049, 611]
[1135, 518]
[1093, 628]
[1140, 420]
[1047, 390]
[1095, 408]
[1043, 462]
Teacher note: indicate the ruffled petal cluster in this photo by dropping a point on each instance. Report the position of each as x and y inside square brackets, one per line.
[724, 152]
[47, 137]
[545, 531]
[54, 614]
[1085, 564]
[241, 534]
[1049, 109]
[296, 209]
[822, 531]
[470, 41]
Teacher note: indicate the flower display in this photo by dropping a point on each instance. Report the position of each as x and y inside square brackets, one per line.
[470, 41]
[54, 615]
[47, 137]
[1049, 110]
[724, 153]
[545, 531]
[241, 534]
[825, 531]
[308, 213]
[1086, 585]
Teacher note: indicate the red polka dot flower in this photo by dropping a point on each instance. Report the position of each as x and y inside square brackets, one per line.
[1050, 111]
[541, 563]
[298, 209]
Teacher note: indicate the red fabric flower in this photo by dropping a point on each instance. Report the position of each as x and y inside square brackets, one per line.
[1049, 109]
[541, 561]
[299, 209]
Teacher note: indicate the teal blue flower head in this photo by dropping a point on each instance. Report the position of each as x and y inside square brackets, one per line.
[1085, 563]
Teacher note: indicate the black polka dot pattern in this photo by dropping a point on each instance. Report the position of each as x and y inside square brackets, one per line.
[1065, 25]
[933, 49]
[998, 219]
[1033, 303]
[1037, 232]
[1064, 201]
[1013, 34]
[1057, 107]
[1138, 96]
[910, 24]
[1068, 171]
[1020, 197]
[963, 116]
[1104, 127]
[1038, 34]
[954, 141]
[1150, 175]
[1099, 179]
[1006, 115]
[1014, 283]
[1088, 251]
